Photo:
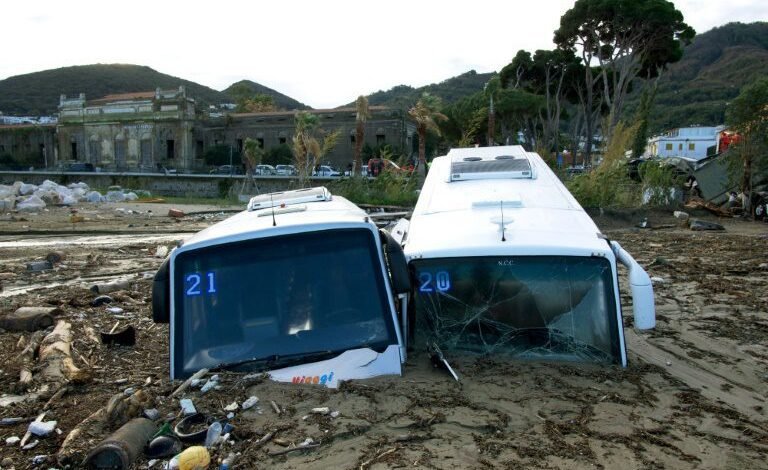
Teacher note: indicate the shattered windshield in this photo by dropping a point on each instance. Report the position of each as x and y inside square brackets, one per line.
[296, 294]
[548, 307]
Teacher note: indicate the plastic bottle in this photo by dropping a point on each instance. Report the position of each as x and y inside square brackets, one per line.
[227, 463]
[214, 432]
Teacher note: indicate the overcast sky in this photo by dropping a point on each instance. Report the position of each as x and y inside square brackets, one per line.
[323, 53]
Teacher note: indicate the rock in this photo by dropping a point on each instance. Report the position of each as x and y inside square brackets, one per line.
[681, 215]
[161, 251]
[152, 413]
[175, 213]
[12, 441]
[6, 462]
[700, 225]
[38, 459]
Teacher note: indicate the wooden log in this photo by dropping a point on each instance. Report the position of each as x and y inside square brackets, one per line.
[29, 319]
[56, 357]
[26, 359]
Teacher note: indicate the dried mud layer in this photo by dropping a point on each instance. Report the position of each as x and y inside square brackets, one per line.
[693, 395]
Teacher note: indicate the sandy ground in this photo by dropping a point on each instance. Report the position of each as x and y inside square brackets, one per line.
[693, 395]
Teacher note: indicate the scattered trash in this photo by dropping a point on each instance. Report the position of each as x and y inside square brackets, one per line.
[115, 310]
[30, 445]
[250, 402]
[643, 223]
[31, 204]
[175, 213]
[658, 280]
[12, 441]
[101, 300]
[213, 434]
[321, 411]
[129, 391]
[38, 459]
[210, 384]
[681, 215]
[163, 447]
[161, 251]
[187, 406]
[194, 458]
[11, 421]
[226, 464]
[193, 428]
[110, 287]
[152, 413]
[35, 266]
[308, 443]
[41, 428]
[335, 414]
[196, 376]
[699, 225]
[659, 261]
[232, 406]
[438, 360]
[124, 337]
[29, 318]
[54, 257]
[123, 447]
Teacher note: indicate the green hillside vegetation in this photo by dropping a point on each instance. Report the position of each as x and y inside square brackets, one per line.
[711, 73]
[281, 101]
[449, 91]
[38, 93]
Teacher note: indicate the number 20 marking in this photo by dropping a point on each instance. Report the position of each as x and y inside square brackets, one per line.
[442, 282]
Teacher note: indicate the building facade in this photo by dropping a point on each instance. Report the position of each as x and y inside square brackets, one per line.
[27, 145]
[686, 142]
[147, 131]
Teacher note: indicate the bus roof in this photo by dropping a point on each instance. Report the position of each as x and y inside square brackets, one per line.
[471, 194]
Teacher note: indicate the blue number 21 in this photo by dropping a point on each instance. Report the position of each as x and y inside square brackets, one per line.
[193, 284]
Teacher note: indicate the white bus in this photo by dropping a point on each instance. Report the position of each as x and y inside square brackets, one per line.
[504, 261]
[278, 288]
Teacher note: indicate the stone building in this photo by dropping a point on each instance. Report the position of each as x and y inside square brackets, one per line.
[129, 131]
[385, 126]
[147, 131]
[27, 145]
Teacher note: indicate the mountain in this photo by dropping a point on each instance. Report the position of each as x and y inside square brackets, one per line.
[450, 90]
[281, 101]
[714, 68]
[38, 92]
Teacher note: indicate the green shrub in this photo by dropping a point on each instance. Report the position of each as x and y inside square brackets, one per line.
[388, 189]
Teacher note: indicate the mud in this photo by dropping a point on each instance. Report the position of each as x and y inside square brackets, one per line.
[693, 395]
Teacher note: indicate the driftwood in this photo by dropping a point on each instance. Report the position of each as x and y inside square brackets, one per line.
[197, 375]
[56, 357]
[696, 203]
[29, 319]
[26, 359]
[118, 411]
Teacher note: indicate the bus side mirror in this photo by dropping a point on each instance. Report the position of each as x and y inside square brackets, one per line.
[161, 303]
[642, 289]
[398, 267]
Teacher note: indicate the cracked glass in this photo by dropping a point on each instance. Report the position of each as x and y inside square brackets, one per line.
[531, 307]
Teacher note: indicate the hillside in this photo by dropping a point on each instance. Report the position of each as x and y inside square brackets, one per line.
[281, 101]
[450, 90]
[38, 92]
[712, 71]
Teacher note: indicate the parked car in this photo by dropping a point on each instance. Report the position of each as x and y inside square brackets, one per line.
[326, 170]
[285, 170]
[264, 170]
[227, 170]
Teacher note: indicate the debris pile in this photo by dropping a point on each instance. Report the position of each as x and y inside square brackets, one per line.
[25, 197]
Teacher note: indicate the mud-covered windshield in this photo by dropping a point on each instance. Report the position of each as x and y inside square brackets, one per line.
[281, 296]
[548, 307]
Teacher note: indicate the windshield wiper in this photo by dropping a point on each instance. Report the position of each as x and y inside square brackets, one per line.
[275, 361]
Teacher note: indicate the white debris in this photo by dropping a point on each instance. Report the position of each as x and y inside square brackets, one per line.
[12, 441]
[187, 406]
[41, 428]
[658, 280]
[161, 251]
[31, 204]
[210, 384]
[152, 413]
[250, 402]
[335, 414]
[114, 310]
[31, 445]
[232, 406]
[324, 410]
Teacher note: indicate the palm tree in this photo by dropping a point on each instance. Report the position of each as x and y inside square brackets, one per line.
[425, 113]
[363, 113]
[251, 156]
[308, 150]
